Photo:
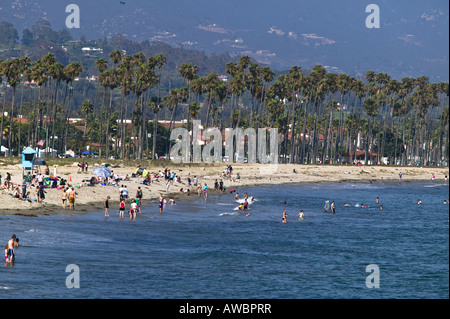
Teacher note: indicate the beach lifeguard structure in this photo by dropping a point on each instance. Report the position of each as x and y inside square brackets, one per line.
[28, 156]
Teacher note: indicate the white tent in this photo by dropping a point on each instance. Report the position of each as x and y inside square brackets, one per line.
[4, 150]
[50, 152]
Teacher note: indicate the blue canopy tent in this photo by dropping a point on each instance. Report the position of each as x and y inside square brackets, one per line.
[88, 153]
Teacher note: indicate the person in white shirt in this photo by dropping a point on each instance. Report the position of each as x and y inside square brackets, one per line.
[133, 209]
[40, 179]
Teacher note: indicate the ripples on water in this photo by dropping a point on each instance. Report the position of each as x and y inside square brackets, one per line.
[209, 249]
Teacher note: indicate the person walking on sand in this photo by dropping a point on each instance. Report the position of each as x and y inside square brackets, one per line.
[24, 189]
[38, 194]
[72, 196]
[107, 206]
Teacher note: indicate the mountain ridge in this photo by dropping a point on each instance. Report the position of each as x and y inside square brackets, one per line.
[411, 41]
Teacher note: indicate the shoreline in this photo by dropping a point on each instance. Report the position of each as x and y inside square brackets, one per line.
[91, 198]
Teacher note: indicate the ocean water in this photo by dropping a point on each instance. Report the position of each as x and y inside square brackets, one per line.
[207, 249]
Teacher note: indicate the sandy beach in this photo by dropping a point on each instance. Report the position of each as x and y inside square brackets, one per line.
[90, 198]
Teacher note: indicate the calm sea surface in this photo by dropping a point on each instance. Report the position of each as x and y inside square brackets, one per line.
[202, 250]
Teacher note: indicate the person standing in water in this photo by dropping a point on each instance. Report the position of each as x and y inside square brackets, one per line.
[284, 216]
[122, 208]
[301, 215]
[333, 207]
[205, 191]
[161, 203]
[11, 250]
[107, 206]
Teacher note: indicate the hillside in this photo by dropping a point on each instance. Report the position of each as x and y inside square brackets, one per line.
[413, 38]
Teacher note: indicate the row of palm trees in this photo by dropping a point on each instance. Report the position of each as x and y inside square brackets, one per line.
[50, 77]
[321, 117]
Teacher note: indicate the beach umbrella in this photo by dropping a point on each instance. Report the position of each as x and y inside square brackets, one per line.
[102, 171]
[51, 178]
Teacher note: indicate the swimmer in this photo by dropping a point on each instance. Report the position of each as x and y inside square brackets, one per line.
[284, 216]
[245, 204]
[301, 215]
[419, 202]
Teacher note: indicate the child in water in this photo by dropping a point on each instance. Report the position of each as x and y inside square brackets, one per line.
[6, 253]
[301, 215]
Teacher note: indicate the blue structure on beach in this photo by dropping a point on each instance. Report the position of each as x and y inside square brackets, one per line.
[28, 155]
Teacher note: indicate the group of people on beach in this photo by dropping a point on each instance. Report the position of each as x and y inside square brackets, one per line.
[10, 249]
[21, 191]
[135, 203]
[83, 167]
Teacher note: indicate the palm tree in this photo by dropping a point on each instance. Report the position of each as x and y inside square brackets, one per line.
[12, 70]
[102, 65]
[2, 73]
[25, 64]
[154, 105]
[71, 71]
[444, 119]
[171, 101]
[126, 73]
[211, 85]
[56, 72]
[371, 107]
[160, 61]
[267, 76]
[109, 79]
[189, 73]
[87, 108]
